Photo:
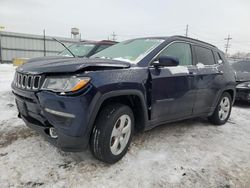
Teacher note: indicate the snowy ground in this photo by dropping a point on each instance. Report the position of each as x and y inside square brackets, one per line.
[192, 153]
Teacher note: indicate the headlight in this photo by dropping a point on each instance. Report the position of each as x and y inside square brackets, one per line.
[65, 84]
[243, 85]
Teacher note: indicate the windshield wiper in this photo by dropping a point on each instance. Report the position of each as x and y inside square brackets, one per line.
[102, 57]
[65, 47]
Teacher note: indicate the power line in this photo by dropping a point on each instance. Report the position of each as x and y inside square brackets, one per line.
[227, 44]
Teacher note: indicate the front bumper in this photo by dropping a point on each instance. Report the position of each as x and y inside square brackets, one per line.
[243, 94]
[68, 115]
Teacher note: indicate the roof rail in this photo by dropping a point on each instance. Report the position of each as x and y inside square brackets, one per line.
[180, 36]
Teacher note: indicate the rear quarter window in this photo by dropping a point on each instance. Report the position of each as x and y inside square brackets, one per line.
[204, 55]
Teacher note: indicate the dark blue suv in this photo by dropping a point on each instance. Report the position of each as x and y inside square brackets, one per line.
[133, 85]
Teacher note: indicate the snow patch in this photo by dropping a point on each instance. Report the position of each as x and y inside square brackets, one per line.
[122, 59]
[178, 70]
[200, 65]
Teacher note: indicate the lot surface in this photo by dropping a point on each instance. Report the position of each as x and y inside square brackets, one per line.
[191, 153]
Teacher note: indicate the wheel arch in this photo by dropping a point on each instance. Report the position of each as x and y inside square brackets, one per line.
[230, 90]
[133, 98]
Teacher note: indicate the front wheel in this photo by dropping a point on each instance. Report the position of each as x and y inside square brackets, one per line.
[112, 133]
[223, 110]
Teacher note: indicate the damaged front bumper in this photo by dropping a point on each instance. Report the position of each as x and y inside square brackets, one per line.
[62, 120]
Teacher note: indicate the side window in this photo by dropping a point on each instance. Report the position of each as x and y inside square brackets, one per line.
[179, 50]
[204, 55]
[102, 47]
[217, 57]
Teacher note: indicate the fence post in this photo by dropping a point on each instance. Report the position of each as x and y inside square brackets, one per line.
[1, 56]
[44, 43]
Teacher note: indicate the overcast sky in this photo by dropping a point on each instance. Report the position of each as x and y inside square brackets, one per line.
[210, 21]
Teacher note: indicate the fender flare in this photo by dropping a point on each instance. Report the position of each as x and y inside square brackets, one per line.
[103, 97]
[222, 91]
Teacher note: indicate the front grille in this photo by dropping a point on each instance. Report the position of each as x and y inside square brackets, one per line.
[28, 82]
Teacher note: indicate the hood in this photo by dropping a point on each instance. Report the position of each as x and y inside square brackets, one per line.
[242, 76]
[61, 64]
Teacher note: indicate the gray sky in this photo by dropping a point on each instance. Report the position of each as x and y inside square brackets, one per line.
[210, 21]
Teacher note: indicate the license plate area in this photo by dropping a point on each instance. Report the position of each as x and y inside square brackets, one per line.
[21, 106]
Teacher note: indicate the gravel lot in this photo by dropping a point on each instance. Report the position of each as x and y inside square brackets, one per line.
[191, 153]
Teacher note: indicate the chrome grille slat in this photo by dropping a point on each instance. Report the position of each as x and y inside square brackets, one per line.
[27, 82]
[23, 81]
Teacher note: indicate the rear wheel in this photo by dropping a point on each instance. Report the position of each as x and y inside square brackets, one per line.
[223, 110]
[112, 133]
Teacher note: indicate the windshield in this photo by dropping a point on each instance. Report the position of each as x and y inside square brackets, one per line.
[131, 51]
[241, 66]
[79, 50]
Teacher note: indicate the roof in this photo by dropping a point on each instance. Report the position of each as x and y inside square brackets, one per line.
[195, 40]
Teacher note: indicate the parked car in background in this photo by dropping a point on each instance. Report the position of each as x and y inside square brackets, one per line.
[136, 84]
[80, 49]
[87, 48]
[242, 71]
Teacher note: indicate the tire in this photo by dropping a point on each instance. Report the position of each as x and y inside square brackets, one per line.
[109, 142]
[220, 116]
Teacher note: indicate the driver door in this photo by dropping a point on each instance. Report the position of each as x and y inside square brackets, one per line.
[173, 91]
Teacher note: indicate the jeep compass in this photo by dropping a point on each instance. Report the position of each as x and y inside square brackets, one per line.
[133, 85]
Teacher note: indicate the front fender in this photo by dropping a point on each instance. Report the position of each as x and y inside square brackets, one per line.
[100, 98]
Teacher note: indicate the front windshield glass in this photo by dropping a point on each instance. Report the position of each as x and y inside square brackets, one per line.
[131, 51]
[79, 50]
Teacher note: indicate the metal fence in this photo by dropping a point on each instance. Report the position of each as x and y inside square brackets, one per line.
[18, 45]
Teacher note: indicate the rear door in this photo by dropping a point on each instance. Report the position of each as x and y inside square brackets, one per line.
[173, 94]
[208, 79]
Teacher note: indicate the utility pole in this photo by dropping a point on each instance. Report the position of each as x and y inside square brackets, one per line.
[227, 46]
[186, 31]
[113, 36]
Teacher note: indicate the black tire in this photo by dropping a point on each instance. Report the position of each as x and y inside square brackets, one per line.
[100, 141]
[215, 118]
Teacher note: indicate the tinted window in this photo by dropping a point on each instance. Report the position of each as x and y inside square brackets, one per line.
[217, 57]
[204, 55]
[182, 51]
[102, 47]
[242, 66]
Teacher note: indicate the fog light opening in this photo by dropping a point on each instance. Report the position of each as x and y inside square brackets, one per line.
[53, 133]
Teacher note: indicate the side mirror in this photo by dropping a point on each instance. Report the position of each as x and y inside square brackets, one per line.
[166, 61]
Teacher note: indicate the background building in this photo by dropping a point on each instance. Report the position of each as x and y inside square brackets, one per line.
[19, 45]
